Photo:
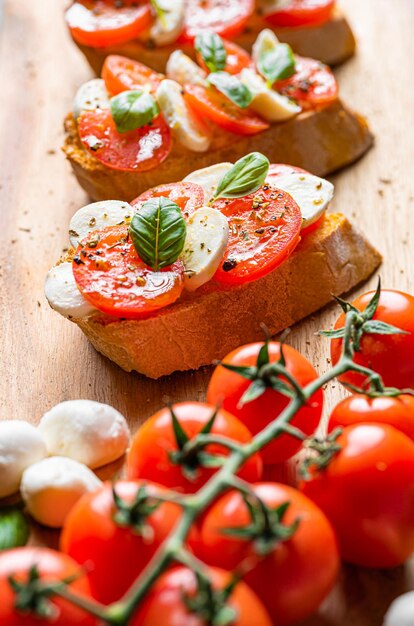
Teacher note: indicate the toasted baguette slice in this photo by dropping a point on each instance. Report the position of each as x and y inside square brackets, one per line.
[332, 43]
[319, 141]
[203, 327]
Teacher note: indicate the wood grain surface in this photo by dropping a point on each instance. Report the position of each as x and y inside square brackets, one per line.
[45, 359]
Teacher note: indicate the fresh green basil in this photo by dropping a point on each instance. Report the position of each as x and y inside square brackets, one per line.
[232, 88]
[158, 232]
[212, 50]
[277, 63]
[246, 176]
[133, 109]
[14, 528]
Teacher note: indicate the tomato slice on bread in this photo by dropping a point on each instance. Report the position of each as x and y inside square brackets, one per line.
[236, 58]
[112, 277]
[121, 73]
[225, 17]
[312, 84]
[188, 196]
[100, 23]
[302, 13]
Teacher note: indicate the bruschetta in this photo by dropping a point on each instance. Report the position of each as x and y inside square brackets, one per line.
[150, 31]
[135, 128]
[189, 270]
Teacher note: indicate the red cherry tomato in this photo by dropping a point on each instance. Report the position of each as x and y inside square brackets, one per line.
[391, 356]
[154, 446]
[137, 150]
[305, 566]
[188, 196]
[112, 277]
[367, 492]
[228, 388]
[302, 13]
[313, 84]
[100, 23]
[225, 17]
[52, 567]
[237, 58]
[121, 74]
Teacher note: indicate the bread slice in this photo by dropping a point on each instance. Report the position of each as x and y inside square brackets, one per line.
[332, 43]
[206, 325]
[320, 141]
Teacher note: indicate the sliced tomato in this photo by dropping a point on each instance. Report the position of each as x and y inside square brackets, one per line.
[264, 229]
[227, 18]
[237, 58]
[188, 196]
[302, 13]
[312, 84]
[112, 277]
[209, 103]
[137, 150]
[121, 74]
[100, 23]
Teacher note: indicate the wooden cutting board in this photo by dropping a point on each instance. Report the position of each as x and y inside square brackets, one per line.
[45, 359]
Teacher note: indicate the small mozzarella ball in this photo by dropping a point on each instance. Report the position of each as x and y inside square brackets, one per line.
[21, 444]
[51, 487]
[184, 70]
[167, 29]
[89, 432]
[91, 96]
[63, 294]
[98, 215]
[401, 611]
[265, 42]
[209, 178]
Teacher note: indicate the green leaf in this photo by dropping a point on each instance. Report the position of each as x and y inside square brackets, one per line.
[206, 430]
[158, 232]
[212, 50]
[225, 616]
[253, 391]
[232, 88]
[246, 371]
[346, 306]
[372, 306]
[333, 334]
[181, 436]
[263, 356]
[277, 63]
[133, 109]
[279, 385]
[382, 328]
[14, 529]
[246, 176]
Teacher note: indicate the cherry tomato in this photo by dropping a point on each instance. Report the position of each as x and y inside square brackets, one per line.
[154, 452]
[121, 74]
[94, 538]
[313, 84]
[100, 23]
[137, 150]
[225, 17]
[303, 567]
[367, 493]
[302, 13]
[52, 567]
[165, 604]
[237, 58]
[228, 387]
[188, 196]
[112, 277]
[391, 356]
[264, 229]
[209, 103]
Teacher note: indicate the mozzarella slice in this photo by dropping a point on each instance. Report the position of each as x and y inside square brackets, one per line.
[89, 432]
[266, 7]
[180, 118]
[98, 215]
[205, 244]
[311, 193]
[184, 71]
[166, 30]
[90, 96]
[21, 444]
[401, 611]
[269, 104]
[63, 293]
[266, 40]
[51, 487]
[208, 178]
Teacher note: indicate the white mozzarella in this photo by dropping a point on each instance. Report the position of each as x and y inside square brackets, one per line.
[20, 445]
[267, 102]
[51, 487]
[183, 123]
[98, 215]
[208, 178]
[401, 611]
[89, 432]
[267, 7]
[90, 96]
[167, 29]
[311, 193]
[205, 244]
[266, 41]
[184, 70]
[63, 294]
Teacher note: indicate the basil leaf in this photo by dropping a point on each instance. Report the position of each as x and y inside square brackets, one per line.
[14, 529]
[232, 88]
[246, 176]
[133, 109]
[158, 232]
[210, 46]
[277, 63]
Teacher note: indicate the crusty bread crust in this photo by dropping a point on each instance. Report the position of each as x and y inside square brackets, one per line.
[320, 141]
[332, 43]
[205, 326]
